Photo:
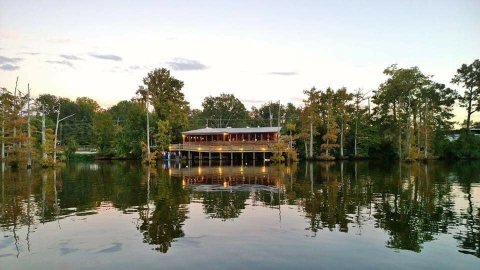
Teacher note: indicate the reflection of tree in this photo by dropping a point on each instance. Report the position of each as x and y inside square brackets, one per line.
[413, 208]
[326, 205]
[164, 224]
[469, 235]
[224, 205]
[412, 203]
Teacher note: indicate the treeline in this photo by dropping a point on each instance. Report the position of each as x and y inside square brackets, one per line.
[409, 116]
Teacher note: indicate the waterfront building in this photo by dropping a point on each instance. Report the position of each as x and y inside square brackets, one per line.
[230, 143]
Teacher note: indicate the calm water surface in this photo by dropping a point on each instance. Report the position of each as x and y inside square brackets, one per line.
[362, 215]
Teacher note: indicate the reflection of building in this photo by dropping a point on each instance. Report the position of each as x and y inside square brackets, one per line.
[240, 143]
[231, 177]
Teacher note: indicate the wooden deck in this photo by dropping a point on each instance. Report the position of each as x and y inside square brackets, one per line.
[226, 147]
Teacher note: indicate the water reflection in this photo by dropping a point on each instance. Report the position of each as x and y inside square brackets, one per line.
[412, 203]
[224, 190]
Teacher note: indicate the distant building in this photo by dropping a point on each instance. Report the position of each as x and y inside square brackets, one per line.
[230, 143]
[456, 134]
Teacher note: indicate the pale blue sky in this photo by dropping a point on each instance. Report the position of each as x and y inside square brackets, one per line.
[258, 50]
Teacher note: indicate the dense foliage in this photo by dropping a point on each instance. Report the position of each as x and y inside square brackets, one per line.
[409, 116]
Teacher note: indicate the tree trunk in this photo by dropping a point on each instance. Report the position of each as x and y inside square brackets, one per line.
[291, 143]
[148, 134]
[306, 149]
[341, 140]
[55, 139]
[3, 138]
[356, 134]
[29, 134]
[326, 148]
[426, 129]
[407, 135]
[417, 127]
[311, 138]
[469, 108]
[44, 140]
[15, 115]
[400, 142]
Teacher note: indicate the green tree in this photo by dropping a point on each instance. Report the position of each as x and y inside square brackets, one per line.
[409, 104]
[310, 118]
[225, 110]
[103, 126]
[195, 120]
[164, 92]
[331, 136]
[468, 76]
[343, 110]
[70, 148]
[130, 119]
[163, 137]
[48, 104]
[359, 115]
[6, 105]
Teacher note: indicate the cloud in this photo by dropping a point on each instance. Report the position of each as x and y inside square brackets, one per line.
[60, 40]
[106, 56]
[63, 62]
[29, 53]
[185, 64]
[253, 100]
[6, 60]
[127, 69]
[135, 67]
[283, 73]
[70, 57]
[9, 67]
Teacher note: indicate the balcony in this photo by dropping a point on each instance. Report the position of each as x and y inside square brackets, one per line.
[228, 147]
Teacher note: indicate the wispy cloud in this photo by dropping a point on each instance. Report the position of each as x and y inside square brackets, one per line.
[127, 69]
[111, 57]
[137, 67]
[63, 62]
[70, 57]
[29, 53]
[60, 40]
[185, 64]
[6, 60]
[9, 67]
[253, 100]
[283, 73]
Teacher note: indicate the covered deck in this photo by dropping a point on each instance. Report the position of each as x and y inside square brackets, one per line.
[225, 142]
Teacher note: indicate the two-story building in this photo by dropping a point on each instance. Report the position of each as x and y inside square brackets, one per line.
[230, 143]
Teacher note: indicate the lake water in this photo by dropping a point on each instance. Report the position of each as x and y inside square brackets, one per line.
[349, 215]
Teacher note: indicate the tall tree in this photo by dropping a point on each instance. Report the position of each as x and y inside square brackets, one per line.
[129, 119]
[163, 136]
[103, 125]
[408, 101]
[343, 111]
[358, 97]
[165, 94]
[468, 76]
[225, 110]
[331, 135]
[310, 117]
[6, 105]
